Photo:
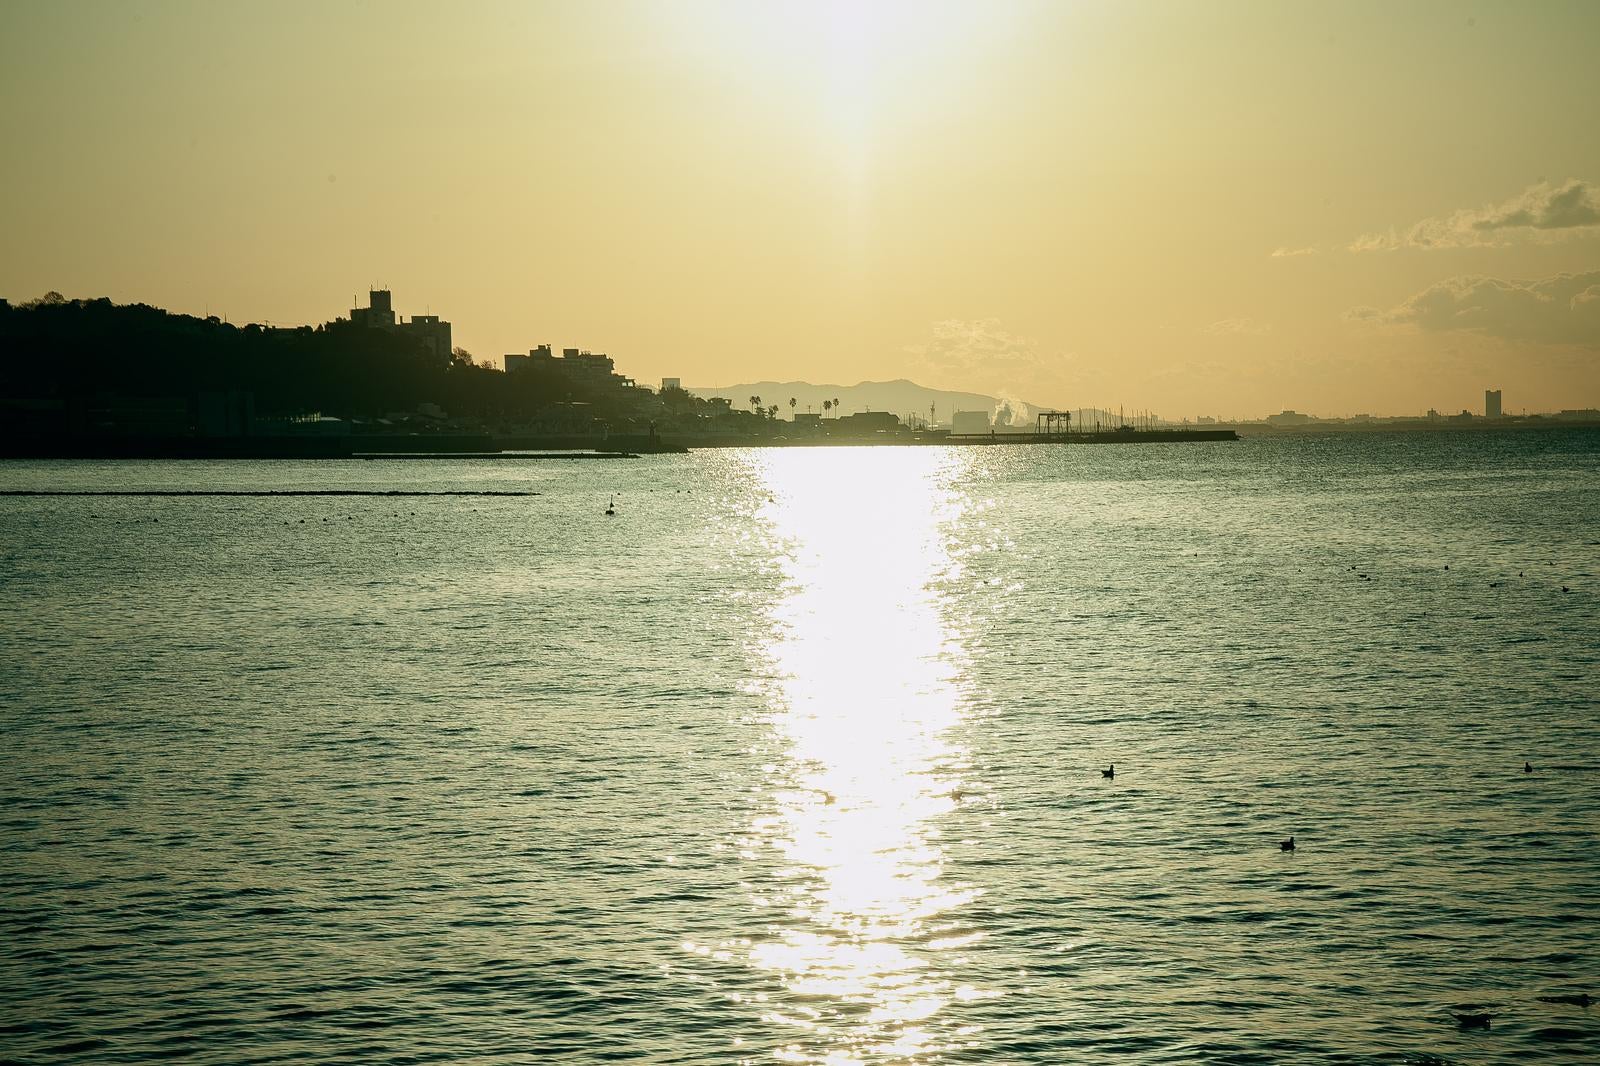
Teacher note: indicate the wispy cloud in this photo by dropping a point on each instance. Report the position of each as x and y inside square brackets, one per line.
[1562, 309]
[959, 346]
[1237, 326]
[1540, 212]
[1289, 253]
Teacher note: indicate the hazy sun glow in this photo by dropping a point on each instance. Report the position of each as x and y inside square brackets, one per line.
[1199, 209]
[867, 696]
[853, 76]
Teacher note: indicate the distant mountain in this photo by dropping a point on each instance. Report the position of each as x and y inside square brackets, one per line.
[900, 397]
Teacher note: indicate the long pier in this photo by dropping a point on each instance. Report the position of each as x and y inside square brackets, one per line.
[1125, 436]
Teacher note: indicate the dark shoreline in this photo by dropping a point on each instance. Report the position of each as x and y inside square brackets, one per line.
[482, 447]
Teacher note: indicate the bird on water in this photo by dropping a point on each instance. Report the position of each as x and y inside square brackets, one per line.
[1286, 845]
[1527, 767]
[611, 508]
[1110, 772]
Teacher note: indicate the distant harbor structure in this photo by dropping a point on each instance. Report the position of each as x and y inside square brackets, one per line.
[1491, 403]
[1060, 427]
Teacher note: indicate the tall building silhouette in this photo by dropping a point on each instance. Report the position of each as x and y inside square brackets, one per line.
[379, 314]
[1491, 403]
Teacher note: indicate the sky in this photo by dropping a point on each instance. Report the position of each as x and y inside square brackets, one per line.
[1197, 208]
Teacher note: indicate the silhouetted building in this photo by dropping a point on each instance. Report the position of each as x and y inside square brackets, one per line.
[1491, 403]
[429, 329]
[539, 357]
[594, 369]
[864, 423]
[380, 314]
[1290, 418]
[434, 334]
[671, 383]
[969, 422]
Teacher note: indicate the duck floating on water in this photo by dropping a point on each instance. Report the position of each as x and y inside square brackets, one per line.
[1110, 772]
[1286, 845]
[611, 508]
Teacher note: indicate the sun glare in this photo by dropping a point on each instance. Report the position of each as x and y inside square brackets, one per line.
[867, 696]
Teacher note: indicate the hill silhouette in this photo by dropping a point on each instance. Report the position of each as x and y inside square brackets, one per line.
[55, 347]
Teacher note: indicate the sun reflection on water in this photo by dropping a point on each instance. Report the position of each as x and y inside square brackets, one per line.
[869, 685]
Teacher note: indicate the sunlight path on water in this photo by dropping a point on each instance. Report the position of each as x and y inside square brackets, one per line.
[869, 672]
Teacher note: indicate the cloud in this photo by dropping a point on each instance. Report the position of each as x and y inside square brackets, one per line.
[1377, 242]
[1287, 253]
[979, 345]
[1563, 309]
[1571, 206]
[1540, 212]
[1237, 326]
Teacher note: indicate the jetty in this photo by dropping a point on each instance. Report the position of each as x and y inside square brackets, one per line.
[1111, 436]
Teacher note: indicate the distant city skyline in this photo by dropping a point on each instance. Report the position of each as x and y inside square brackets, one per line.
[1237, 209]
[600, 367]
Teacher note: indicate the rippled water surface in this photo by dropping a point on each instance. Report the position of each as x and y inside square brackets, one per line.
[798, 757]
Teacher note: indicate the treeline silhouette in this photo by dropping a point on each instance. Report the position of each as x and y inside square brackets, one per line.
[58, 348]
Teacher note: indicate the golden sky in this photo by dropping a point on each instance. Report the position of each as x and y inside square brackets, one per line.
[1212, 207]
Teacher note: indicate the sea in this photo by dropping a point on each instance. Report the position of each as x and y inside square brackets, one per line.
[801, 755]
